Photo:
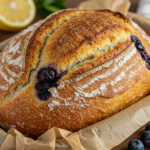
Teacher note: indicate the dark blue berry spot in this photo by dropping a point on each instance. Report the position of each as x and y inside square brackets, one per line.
[148, 65]
[141, 49]
[134, 38]
[147, 127]
[135, 145]
[143, 56]
[48, 78]
[46, 74]
[145, 138]
[44, 95]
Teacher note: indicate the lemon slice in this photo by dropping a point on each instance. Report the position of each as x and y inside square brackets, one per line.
[16, 14]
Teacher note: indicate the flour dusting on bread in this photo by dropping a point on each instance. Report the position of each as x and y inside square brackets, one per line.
[71, 70]
[13, 55]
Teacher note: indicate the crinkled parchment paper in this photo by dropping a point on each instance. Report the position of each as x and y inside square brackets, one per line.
[103, 135]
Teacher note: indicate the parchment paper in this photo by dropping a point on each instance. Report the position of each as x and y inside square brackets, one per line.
[103, 135]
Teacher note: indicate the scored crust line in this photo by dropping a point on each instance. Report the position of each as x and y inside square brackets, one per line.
[121, 59]
[24, 85]
[107, 64]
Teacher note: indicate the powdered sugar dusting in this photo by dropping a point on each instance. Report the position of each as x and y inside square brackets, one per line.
[53, 104]
[6, 78]
[103, 87]
[12, 57]
[106, 65]
[124, 57]
[80, 94]
[112, 83]
[118, 78]
[4, 88]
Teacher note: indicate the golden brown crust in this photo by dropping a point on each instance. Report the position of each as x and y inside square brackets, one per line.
[12, 62]
[103, 72]
[102, 59]
[80, 34]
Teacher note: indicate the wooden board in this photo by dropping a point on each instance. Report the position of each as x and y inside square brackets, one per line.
[136, 135]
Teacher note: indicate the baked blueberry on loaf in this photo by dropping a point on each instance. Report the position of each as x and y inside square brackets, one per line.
[71, 70]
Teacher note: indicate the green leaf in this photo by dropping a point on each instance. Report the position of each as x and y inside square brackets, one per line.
[47, 2]
[58, 2]
[45, 7]
[44, 2]
[39, 3]
[44, 13]
[51, 8]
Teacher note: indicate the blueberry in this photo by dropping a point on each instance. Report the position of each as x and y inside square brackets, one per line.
[145, 138]
[43, 86]
[140, 47]
[48, 78]
[44, 95]
[147, 127]
[46, 74]
[148, 64]
[143, 56]
[49, 85]
[138, 43]
[135, 145]
[147, 58]
[40, 87]
[134, 38]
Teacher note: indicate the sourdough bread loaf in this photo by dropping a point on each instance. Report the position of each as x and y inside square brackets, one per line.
[71, 70]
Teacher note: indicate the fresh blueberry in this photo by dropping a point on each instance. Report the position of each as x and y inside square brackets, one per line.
[49, 85]
[140, 47]
[143, 56]
[145, 138]
[147, 58]
[46, 74]
[147, 127]
[148, 64]
[40, 87]
[135, 145]
[138, 43]
[145, 53]
[48, 78]
[134, 38]
[44, 95]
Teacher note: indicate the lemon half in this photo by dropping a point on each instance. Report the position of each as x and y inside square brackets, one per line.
[16, 14]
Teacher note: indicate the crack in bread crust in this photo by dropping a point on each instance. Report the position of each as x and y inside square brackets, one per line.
[101, 60]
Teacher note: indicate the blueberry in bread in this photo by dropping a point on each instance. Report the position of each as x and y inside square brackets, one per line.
[48, 78]
[71, 70]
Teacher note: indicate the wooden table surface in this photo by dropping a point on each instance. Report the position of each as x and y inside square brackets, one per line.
[136, 135]
[72, 4]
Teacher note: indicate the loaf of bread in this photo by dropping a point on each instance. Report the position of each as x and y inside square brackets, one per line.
[71, 70]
